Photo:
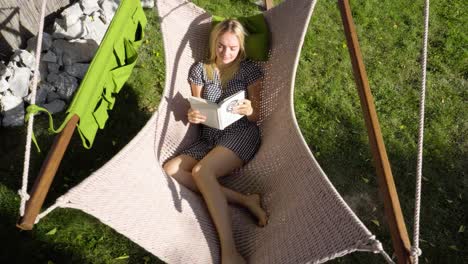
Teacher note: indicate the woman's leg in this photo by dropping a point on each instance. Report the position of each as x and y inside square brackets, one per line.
[180, 168]
[218, 162]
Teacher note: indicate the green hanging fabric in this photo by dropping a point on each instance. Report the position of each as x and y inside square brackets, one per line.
[109, 70]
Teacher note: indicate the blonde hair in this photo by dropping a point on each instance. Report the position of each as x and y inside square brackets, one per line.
[231, 26]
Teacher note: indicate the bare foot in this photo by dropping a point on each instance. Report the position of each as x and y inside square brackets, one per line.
[235, 258]
[255, 207]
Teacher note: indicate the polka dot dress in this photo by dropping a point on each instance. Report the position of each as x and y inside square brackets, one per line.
[242, 136]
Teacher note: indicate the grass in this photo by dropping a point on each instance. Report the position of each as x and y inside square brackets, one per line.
[328, 111]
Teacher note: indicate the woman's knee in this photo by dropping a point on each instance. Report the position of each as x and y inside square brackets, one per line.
[181, 163]
[197, 171]
[200, 171]
[170, 167]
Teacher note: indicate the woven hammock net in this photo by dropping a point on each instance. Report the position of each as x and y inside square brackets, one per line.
[309, 221]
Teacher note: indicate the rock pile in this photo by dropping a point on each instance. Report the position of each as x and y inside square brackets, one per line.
[65, 57]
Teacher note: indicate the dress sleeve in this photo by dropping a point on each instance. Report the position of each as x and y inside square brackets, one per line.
[196, 74]
[252, 72]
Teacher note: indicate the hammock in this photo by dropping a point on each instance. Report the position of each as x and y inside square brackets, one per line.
[309, 221]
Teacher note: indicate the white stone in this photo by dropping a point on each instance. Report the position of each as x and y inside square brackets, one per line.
[95, 14]
[46, 43]
[61, 30]
[64, 84]
[80, 50]
[103, 18]
[52, 78]
[9, 102]
[49, 57]
[13, 65]
[19, 82]
[41, 96]
[77, 70]
[260, 3]
[11, 68]
[72, 14]
[43, 70]
[28, 59]
[12, 110]
[4, 85]
[147, 3]
[45, 93]
[48, 87]
[108, 9]
[96, 28]
[22, 58]
[16, 56]
[3, 68]
[8, 72]
[52, 96]
[53, 68]
[89, 6]
[67, 60]
[55, 106]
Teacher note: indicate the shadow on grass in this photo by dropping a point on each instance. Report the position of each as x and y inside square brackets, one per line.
[348, 163]
[80, 239]
[25, 247]
[125, 121]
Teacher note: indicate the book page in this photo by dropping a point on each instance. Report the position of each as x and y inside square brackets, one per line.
[226, 117]
[206, 108]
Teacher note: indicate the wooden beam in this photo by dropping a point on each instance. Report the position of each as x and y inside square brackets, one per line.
[394, 216]
[46, 175]
[268, 4]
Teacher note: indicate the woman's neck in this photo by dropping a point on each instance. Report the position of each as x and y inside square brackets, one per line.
[221, 66]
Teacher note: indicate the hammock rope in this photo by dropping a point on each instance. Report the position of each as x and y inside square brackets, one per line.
[375, 246]
[23, 192]
[60, 202]
[415, 250]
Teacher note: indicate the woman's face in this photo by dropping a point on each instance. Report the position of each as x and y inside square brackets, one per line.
[227, 48]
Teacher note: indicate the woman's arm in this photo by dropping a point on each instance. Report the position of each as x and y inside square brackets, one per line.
[250, 107]
[196, 90]
[193, 115]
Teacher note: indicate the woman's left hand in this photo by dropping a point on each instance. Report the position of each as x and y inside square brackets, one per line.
[243, 108]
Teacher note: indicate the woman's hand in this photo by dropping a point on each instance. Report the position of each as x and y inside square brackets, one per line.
[243, 108]
[195, 117]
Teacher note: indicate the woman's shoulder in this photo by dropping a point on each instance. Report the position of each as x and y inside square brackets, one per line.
[196, 74]
[249, 67]
[198, 65]
[247, 63]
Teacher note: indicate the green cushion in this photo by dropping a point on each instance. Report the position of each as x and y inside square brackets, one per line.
[257, 42]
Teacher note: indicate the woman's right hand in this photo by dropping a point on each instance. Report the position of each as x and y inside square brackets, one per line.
[195, 117]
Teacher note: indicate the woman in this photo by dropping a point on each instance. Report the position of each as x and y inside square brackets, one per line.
[219, 152]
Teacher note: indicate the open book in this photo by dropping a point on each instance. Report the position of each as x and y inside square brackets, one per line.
[218, 115]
